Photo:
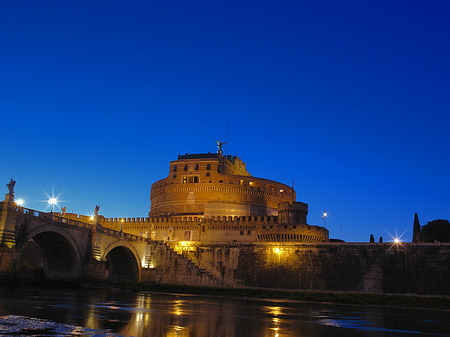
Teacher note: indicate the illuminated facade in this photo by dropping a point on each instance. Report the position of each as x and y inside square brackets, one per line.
[210, 184]
[212, 198]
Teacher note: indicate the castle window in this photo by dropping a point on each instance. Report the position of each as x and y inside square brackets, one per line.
[196, 167]
[174, 176]
[175, 168]
[249, 232]
[220, 181]
[208, 166]
[242, 233]
[207, 174]
[185, 167]
[190, 179]
[241, 182]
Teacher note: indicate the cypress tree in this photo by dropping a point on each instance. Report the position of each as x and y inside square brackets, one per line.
[416, 227]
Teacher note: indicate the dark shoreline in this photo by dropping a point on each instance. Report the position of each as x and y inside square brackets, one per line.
[336, 297]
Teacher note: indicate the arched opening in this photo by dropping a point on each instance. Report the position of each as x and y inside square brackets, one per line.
[122, 265]
[58, 256]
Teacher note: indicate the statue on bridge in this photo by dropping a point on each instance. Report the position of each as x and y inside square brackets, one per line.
[10, 186]
[97, 208]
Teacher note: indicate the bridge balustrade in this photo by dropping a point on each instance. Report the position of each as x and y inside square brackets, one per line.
[75, 223]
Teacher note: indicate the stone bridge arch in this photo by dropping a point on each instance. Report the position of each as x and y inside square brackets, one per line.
[60, 251]
[123, 262]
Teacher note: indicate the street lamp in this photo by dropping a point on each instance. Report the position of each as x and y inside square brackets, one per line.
[20, 202]
[324, 218]
[52, 201]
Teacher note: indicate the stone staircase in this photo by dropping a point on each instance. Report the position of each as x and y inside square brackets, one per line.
[174, 268]
[219, 271]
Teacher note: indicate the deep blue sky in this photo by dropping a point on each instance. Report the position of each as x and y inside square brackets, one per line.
[349, 98]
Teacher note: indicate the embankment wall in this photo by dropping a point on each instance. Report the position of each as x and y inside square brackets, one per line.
[373, 268]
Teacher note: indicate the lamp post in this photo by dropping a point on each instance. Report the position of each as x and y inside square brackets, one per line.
[324, 218]
[52, 201]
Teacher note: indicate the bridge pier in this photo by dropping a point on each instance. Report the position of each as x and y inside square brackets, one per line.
[8, 222]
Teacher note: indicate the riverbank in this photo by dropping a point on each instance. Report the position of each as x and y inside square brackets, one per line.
[407, 300]
[336, 297]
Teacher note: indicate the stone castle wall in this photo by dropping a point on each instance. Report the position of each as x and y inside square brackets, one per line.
[218, 229]
[374, 268]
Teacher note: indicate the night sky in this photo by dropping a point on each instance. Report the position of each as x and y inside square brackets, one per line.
[351, 99]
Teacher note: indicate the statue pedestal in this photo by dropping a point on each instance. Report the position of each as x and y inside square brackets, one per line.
[8, 222]
[9, 198]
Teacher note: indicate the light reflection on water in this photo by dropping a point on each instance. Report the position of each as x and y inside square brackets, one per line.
[113, 313]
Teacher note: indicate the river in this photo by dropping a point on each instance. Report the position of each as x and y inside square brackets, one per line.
[88, 312]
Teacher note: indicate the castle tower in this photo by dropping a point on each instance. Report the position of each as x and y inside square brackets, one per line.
[210, 184]
[292, 213]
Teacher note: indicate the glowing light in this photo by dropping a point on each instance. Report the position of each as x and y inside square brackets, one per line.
[324, 214]
[122, 220]
[20, 202]
[281, 191]
[396, 241]
[91, 218]
[277, 251]
[53, 201]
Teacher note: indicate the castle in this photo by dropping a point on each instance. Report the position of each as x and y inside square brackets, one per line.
[210, 197]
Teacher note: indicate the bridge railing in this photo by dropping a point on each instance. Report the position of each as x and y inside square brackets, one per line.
[54, 218]
[120, 234]
[75, 223]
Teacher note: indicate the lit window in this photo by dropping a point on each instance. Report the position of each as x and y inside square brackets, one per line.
[190, 179]
[241, 182]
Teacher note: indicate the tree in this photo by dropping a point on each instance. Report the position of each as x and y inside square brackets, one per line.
[416, 227]
[435, 231]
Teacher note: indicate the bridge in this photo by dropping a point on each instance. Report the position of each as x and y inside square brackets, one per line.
[75, 250]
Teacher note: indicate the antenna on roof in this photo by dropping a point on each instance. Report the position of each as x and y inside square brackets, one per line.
[292, 193]
[226, 136]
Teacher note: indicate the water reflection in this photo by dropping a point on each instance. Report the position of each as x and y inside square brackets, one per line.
[101, 312]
